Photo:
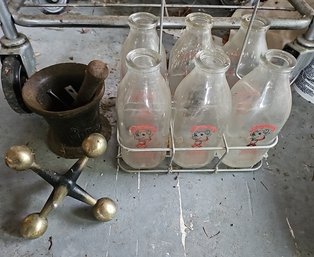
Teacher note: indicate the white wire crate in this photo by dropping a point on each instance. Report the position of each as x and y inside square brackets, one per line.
[169, 166]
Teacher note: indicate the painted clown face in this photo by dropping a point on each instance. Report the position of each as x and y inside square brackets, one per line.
[259, 134]
[142, 134]
[201, 135]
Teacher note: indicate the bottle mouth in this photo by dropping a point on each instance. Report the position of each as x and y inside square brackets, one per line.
[259, 23]
[212, 61]
[143, 60]
[199, 20]
[143, 20]
[279, 60]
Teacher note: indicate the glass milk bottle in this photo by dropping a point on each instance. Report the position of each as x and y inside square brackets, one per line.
[261, 104]
[196, 36]
[256, 45]
[144, 109]
[202, 106]
[142, 34]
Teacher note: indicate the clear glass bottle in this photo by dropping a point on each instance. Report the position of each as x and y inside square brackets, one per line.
[256, 45]
[201, 111]
[142, 34]
[261, 104]
[196, 36]
[144, 109]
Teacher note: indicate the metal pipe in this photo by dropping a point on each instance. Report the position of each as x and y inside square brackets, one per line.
[7, 22]
[309, 34]
[162, 12]
[72, 20]
[128, 5]
[275, 23]
[302, 7]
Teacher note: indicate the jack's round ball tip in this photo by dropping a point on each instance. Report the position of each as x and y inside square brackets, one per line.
[33, 226]
[19, 157]
[105, 209]
[94, 145]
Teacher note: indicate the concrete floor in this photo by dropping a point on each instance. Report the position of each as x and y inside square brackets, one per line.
[267, 213]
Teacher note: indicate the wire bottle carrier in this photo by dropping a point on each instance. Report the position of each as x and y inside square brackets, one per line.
[23, 14]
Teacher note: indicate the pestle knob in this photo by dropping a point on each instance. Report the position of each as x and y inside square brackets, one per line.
[95, 74]
[19, 157]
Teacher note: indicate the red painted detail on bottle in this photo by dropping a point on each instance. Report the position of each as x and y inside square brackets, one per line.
[259, 133]
[201, 134]
[142, 134]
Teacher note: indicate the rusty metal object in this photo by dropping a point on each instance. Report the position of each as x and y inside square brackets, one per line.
[67, 127]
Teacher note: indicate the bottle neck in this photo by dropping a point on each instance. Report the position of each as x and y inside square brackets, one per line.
[144, 73]
[143, 61]
[201, 35]
[273, 75]
[143, 21]
[277, 66]
[199, 23]
[255, 34]
[260, 24]
[199, 30]
[208, 75]
[211, 64]
[278, 61]
[259, 27]
[141, 30]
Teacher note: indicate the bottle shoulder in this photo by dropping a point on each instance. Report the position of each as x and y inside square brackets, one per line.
[261, 97]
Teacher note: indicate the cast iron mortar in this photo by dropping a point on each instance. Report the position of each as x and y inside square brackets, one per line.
[68, 126]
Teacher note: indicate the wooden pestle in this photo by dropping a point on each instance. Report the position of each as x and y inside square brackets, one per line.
[95, 74]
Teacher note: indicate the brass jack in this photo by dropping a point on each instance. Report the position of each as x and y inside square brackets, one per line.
[21, 158]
